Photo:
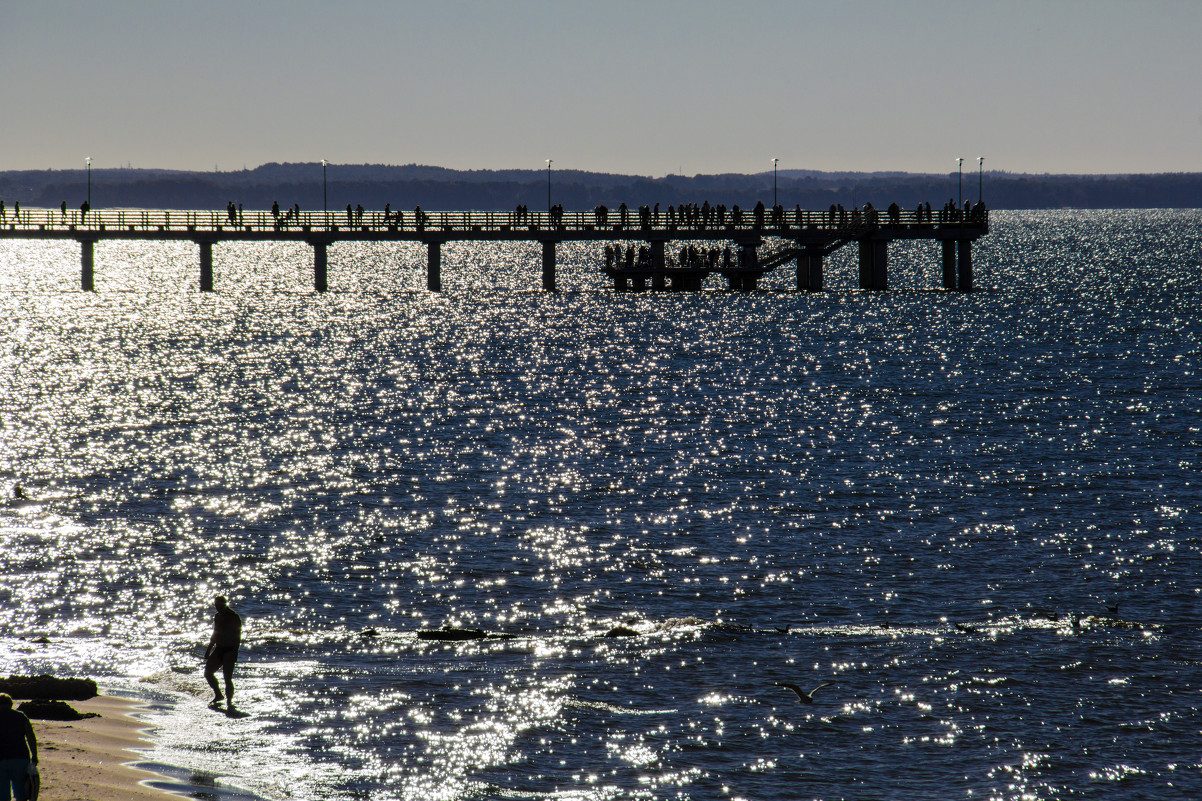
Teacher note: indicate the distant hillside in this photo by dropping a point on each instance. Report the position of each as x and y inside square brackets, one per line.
[374, 185]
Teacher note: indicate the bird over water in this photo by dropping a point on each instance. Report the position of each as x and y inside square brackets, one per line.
[802, 695]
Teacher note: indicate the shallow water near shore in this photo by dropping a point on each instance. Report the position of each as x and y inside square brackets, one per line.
[976, 515]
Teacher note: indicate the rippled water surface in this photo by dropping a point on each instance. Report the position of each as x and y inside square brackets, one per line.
[978, 516]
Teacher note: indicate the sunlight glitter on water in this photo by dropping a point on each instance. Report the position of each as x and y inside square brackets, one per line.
[977, 516]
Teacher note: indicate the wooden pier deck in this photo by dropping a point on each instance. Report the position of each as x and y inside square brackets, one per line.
[803, 236]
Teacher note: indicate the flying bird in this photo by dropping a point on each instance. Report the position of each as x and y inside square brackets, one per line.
[802, 695]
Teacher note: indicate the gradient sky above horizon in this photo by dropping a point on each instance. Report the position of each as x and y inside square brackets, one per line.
[650, 88]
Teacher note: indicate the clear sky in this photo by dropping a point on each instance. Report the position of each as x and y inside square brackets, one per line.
[648, 87]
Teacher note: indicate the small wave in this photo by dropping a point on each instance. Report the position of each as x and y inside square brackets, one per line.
[185, 684]
[616, 710]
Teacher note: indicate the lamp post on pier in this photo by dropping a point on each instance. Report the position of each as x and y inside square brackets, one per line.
[88, 161]
[774, 161]
[325, 206]
[960, 169]
[980, 178]
[548, 186]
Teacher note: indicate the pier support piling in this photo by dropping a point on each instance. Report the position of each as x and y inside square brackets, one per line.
[874, 264]
[548, 266]
[949, 264]
[965, 277]
[320, 267]
[809, 271]
[206, 266]
[87, 265]
[434, 266]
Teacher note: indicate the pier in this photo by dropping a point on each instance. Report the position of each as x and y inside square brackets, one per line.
[741, 247]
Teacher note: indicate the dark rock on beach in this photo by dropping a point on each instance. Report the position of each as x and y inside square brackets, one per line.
[49, 687]
[53, 710]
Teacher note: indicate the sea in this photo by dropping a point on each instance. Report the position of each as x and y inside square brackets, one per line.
[975, 518]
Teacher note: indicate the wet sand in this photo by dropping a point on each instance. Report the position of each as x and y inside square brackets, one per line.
[83, 760]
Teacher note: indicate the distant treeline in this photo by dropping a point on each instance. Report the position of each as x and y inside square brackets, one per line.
[404, 187]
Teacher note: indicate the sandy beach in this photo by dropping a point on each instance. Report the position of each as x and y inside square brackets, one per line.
[84, 760]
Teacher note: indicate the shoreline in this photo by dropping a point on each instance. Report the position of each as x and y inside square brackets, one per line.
[92, 759]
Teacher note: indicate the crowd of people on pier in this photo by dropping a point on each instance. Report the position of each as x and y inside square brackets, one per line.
[689, 257]
[685, 216]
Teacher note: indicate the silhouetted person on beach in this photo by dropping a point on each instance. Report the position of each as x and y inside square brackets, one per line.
[223, 650]
[18, 750]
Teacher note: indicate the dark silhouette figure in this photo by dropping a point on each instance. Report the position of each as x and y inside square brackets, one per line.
[18, 748]
[223, 650]
[802, 695]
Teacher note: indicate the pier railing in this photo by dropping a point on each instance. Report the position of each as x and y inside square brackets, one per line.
[420, 221]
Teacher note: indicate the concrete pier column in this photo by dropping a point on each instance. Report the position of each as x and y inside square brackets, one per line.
[657, 255]
[206, 266]
[809, 271]
[866, 270]
[621, 283]
[434, 266]
[949, 264]
[734, 281]
[816, 271]
[549, 266]
[965, 277]
[87, 265]
[320, 267]
[880, 265]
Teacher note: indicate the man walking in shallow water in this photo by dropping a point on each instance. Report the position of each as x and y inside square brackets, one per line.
[223, 650]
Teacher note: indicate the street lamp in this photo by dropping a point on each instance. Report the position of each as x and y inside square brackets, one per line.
[960, 168]
[548, 185]
[88, 161]
[774, 161]
[325, 206]
[980, 177]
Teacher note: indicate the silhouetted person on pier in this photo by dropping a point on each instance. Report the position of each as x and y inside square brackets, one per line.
[736, 217]
[758, 213]
[624, 214]
[17, 210]
[63, 209]
[3, 213]
[275, 209]
[84, 208]
[223, 650]
[419, 218]
[359, 214]
[350, 215]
